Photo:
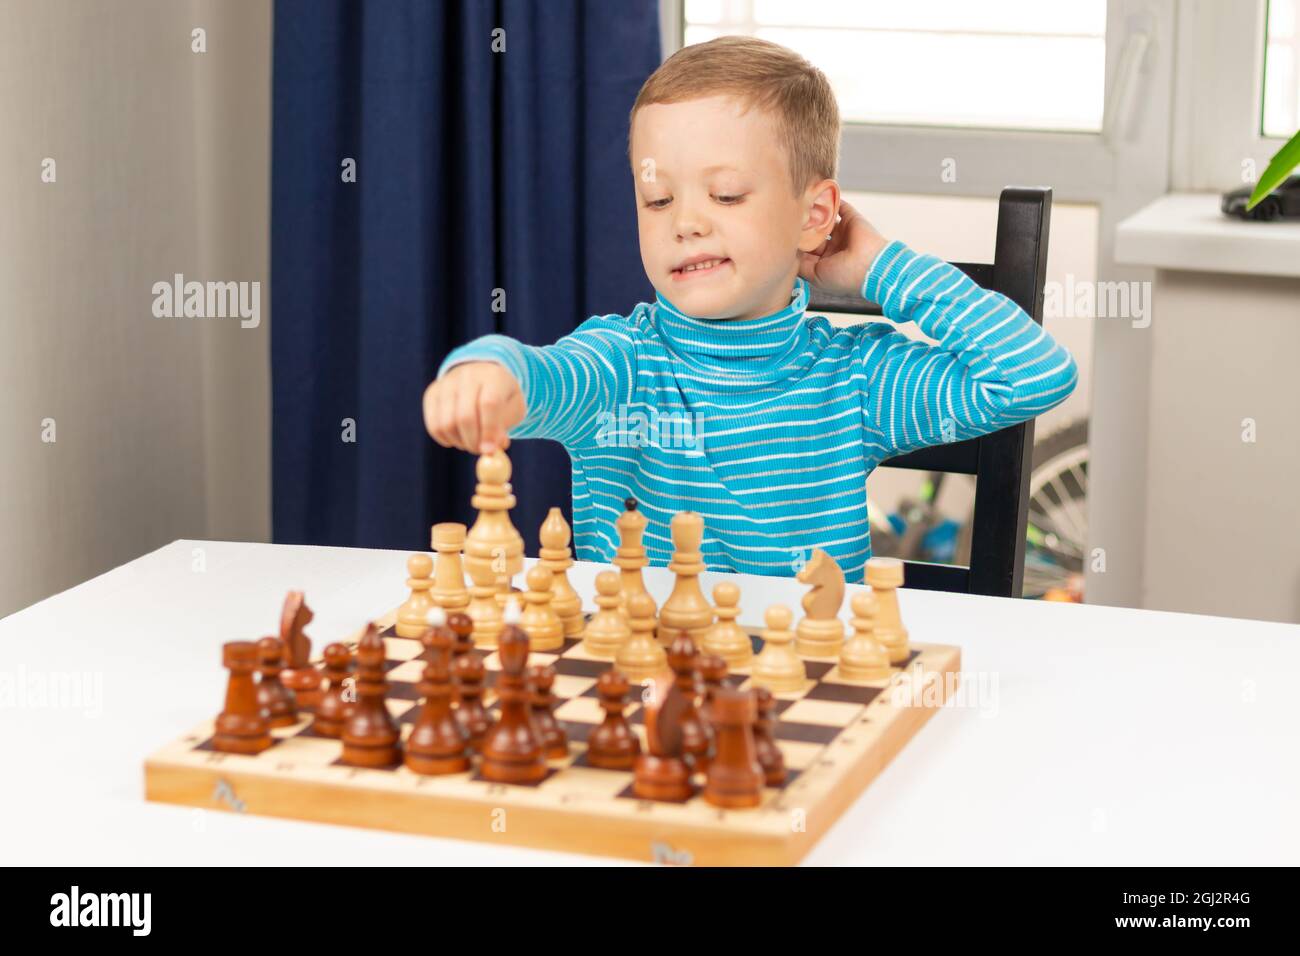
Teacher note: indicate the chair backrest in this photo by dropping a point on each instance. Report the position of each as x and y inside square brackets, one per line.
[999, 461]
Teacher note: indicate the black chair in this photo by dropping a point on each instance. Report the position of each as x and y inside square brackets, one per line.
[999, 461]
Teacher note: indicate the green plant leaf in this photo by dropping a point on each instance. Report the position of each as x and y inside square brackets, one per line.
[1279, 167]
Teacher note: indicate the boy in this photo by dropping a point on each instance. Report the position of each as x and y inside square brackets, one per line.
[774, 419]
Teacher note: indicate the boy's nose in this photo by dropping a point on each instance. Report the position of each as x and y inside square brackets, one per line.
[688, 225]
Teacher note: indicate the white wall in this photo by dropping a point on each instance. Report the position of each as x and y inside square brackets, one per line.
[161, 425]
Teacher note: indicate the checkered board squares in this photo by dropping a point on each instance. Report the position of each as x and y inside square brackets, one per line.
[834, 735]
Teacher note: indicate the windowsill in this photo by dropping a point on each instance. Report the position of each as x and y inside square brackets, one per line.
[1186, 231]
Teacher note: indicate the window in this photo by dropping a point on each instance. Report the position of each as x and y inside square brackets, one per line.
[1281, 112]
[937, 62]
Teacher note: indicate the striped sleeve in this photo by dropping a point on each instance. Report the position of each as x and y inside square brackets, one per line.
[569, 387]
[992, 366]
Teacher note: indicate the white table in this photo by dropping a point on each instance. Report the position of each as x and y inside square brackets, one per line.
[1103, 736]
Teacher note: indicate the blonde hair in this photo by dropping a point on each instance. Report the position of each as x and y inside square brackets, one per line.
[763, 74]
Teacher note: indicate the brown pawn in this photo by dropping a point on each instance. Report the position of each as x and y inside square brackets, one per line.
[613, 745]
[437, 743]
[473, 717]
[696, 737]
[512, 751]
[242, 726]
[276, 699]
[554, 740]
[334, 707]
[769, 754]
[735, 778]
[371, 738]
[712, 670]
[462, 627]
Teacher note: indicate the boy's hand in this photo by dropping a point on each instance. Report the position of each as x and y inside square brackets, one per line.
[473, 407]
[840, 264]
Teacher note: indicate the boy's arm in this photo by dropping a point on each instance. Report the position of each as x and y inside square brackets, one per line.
[992, 366]
[566, 385]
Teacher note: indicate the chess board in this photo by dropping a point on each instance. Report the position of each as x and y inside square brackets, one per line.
[835, 735]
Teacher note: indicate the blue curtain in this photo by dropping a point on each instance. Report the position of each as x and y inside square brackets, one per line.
[476, 170]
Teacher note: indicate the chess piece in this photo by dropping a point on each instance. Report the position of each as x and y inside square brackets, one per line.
[512, 750]
[735, 778]
[885, 576]
[695, 734]
[613, 745]
[437, 744]
[713, 671]
[765, 748]
[642, 656]
[555, 556]
[483, 610]
[299, 676]
[608, 630]
[371, 737]
[664, 773]
[630, 557]
[542, 624]
[242, 726]
[449, 591]
[493, 545]
[335, 705]
[462, 629]
[727, 639]
[686, 608]
[821, 632]
[863, 657]
[411, 615]
[554, 741]
[472, 716]
[778, 667]
[273, 697]
[442, 636]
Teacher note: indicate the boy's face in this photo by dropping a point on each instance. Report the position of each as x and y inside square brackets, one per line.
[713, 182]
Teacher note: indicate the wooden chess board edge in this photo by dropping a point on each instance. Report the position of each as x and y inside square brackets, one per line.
[712, 841]
[535, 827]
[944, 662]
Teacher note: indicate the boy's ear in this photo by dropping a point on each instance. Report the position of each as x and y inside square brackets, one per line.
[822, 200]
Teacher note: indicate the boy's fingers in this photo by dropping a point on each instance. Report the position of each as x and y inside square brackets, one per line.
[467, 409]
[490, 405]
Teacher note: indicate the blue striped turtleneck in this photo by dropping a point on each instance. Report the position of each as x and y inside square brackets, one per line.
[769, 427]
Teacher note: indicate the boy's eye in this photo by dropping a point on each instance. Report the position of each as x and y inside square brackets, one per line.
[728, 200]
[658, 203]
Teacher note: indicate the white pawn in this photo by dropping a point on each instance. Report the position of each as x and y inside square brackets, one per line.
[726, 638]
[863, 657]
[608, 630]
[411, 615]
[543, 625]
[778, 667]
[641, 657]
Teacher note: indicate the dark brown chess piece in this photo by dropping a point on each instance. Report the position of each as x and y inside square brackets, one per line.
[299, 676]
[664, 773]
[371, 737]
[472, 716]
[276, 699]
[712, 670]
[735, 778]
[696, 736]
[769, 754]
[554, 741]
[512, 751]
[613, 745]
[462, 626]
[335, 706]
[242, 726]
[437, 744]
